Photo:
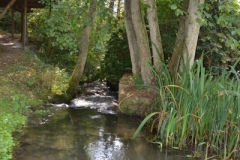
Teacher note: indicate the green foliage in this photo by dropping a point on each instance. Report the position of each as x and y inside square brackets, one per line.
[65, 30]
[59, 83]
[62, 29]
[143, 123]
[220, 34]
[11, 119]
[65, 21]
[6, 22]
[92, 66]
[42, 112]
[168, 23]
[26, 83]
[117, 58]
[177, 11]
[199, 110]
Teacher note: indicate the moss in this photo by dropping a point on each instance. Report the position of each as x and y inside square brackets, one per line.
[135, 100]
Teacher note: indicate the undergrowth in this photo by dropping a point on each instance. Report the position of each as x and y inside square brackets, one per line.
[27, 84]
[12, 118]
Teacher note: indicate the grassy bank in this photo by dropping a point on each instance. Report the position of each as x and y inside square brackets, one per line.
[200, 112]
[24, 85]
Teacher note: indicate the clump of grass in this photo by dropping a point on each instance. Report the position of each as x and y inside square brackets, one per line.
[199, 111]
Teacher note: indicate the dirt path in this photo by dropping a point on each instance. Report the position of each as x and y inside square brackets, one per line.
[9, 52]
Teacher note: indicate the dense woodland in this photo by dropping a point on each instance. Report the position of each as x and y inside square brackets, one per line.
[187, 49]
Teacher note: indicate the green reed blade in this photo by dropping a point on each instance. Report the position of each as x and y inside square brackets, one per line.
[143, 123]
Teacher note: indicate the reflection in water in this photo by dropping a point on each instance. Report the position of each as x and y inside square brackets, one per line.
[84, 134]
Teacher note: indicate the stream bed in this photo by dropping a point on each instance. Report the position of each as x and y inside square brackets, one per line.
[92, 131]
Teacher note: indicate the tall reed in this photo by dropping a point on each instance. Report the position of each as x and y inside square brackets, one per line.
[199, 110]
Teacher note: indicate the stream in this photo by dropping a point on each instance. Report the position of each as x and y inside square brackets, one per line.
[89, 129]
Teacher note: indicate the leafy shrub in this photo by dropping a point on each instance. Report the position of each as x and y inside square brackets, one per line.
[11, 119]
[60, 82]
[56, 80]
[117, 59]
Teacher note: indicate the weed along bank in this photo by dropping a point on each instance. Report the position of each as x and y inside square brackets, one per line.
[200, 112]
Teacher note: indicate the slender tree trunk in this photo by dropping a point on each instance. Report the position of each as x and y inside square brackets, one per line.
[155, 36]
[51, 49]
[174, 63]
[78, 70]
[22, 28]
[111, 6]
[142, 41]
[193, 27]
[132, 39]
[13, 23]
[111, 11]
[7, 8]
[24, 33]
[119, 6]
[186, 42]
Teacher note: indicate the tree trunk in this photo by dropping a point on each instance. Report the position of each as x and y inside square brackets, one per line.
[13, 23]
[24, 33]
[186, 42]
[132, 39]
[51, 49]
[78, 70]
[155, 36]
[142, 41]
[119, 6]
[7, 8]
[111, 6]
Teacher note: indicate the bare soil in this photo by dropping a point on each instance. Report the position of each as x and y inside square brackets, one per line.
[10, 51]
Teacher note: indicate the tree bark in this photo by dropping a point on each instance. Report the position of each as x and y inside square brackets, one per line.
[142, 41]
[186, 42]
[155, 36]
[13, 23]
[7, 8]
[84, 42]
[24, 33]
[132, 39]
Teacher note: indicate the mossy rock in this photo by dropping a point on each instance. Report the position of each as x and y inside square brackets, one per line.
[132, 100]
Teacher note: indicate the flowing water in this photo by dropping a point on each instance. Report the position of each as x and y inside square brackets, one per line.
[79, 133]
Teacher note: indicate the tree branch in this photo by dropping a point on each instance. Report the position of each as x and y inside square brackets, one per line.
[7, 8]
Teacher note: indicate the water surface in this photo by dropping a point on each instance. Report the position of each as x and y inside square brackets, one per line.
[85, 134]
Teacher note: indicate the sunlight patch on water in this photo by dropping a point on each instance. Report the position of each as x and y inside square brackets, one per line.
[95, 116]
[113, 149]
[81, 103]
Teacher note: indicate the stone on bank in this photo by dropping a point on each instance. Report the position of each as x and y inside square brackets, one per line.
[135, 101]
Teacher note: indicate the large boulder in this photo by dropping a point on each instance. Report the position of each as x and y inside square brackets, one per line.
[133, 100]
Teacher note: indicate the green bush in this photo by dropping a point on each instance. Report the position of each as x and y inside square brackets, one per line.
[11, 120]
[117, 59]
